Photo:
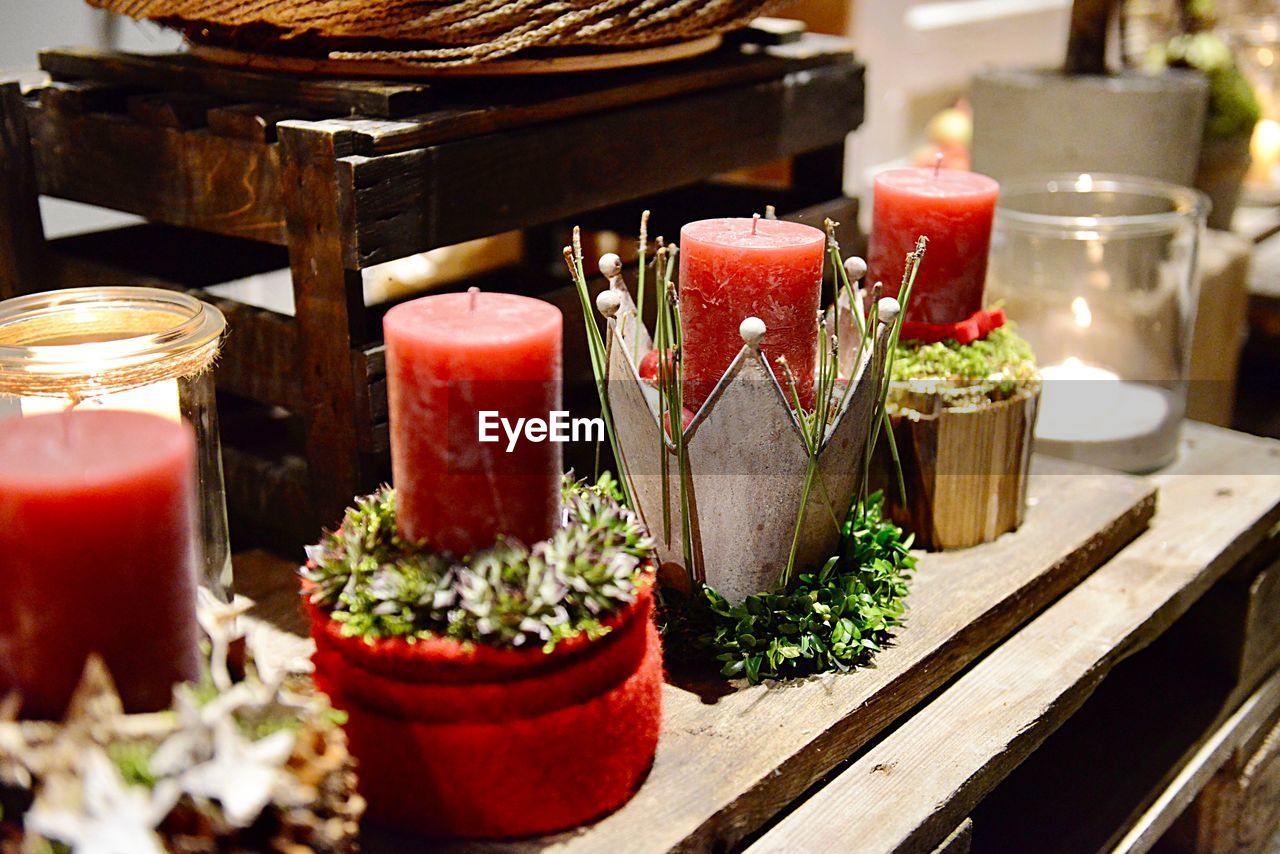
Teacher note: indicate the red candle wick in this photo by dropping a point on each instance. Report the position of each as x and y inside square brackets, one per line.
[471, 302]
[755, 221]
[937, 164]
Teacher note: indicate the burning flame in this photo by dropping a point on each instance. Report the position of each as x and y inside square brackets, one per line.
[1083, 316]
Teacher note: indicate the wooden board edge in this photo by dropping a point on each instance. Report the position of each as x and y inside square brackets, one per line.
[747, 813]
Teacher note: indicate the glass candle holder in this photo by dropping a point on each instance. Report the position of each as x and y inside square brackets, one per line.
[138, 349]
[1100, 273]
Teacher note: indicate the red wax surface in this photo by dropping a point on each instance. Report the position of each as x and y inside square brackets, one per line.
[954, 210]
[450, 357]
[729, 272]
[98, 552]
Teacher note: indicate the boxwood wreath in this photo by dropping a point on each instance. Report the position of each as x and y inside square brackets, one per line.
[379, 585]
[831, 619]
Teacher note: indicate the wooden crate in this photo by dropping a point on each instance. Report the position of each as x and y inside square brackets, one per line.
[348, 174]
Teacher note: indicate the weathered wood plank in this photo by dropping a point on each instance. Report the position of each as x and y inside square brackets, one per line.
[414, 201]
[198, 180]
[22, 244]
[181, 110]
[499, 105]
[183, 72]
[253, 122]
[731, 757]
[1217, 504]
[1216, 750]
[85, 96]
[329, 301]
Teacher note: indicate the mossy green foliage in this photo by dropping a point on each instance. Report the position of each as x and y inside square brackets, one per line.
[1233, 106]
[378, 585]
[832, 618]
[993, 368]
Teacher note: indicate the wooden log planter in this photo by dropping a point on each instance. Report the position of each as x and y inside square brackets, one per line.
[473, 741]
[965, 468]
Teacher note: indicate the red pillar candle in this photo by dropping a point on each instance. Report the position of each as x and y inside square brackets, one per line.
[732, 269]
[450, 358]
[98, 552]
[954, 209]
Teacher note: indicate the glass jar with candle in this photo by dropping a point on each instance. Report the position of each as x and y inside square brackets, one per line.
[138, 349]
[1100, 274]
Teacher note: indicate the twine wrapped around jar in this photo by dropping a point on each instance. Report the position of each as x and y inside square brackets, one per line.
[443, 33]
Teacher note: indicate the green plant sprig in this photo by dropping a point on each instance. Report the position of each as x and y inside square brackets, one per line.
[377, 585]
[599, 356]
[834, 618]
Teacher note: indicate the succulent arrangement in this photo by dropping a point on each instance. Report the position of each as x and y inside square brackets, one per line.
[378, 585]
[245, 765]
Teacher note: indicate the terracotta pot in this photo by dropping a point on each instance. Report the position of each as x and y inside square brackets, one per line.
[470, 741]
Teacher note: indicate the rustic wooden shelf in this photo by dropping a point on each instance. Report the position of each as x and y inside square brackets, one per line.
[732, 756]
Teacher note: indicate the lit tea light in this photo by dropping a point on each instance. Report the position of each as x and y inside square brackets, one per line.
[1080, 310]
[1089, 414]
[156, 399]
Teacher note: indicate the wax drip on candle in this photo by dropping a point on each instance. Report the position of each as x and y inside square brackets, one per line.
[755, 221]
[471, 301]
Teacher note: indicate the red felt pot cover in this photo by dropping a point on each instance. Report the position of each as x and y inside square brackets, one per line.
[446, 660]
[575, 679]
[565, 741]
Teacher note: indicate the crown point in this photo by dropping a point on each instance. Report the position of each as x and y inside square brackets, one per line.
[752, 330]
[608, 302]
[855, 268]
[610, 265]
[889, 309]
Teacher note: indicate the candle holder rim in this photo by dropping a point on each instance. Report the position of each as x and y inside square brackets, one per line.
[1188, 204]
[197, 331]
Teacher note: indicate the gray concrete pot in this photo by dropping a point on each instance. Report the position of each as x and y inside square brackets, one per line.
[1033, 121]
[1223, 164]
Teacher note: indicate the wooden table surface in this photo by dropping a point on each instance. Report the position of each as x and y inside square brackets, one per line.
[734, 759]
[1219, 502]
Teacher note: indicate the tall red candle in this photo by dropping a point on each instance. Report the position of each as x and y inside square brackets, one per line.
[954, 209]
[450, 358]
[732, 269]
[98, 552]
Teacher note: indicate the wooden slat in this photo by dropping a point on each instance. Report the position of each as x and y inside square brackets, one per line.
[328, 300]
[22, 246]
[198, 180]
[85, 96]
[1192, 777]
[1260, 651]
[182, 72]
[499, 105]
[259, 358]
[253, 122]
[412, 202]
[1217, 504]
[181, 110]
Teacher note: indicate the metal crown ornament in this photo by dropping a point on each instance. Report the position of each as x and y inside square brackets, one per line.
[747, 461]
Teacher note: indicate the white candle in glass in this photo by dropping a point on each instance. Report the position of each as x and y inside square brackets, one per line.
[1089, 414]
[159, 398]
